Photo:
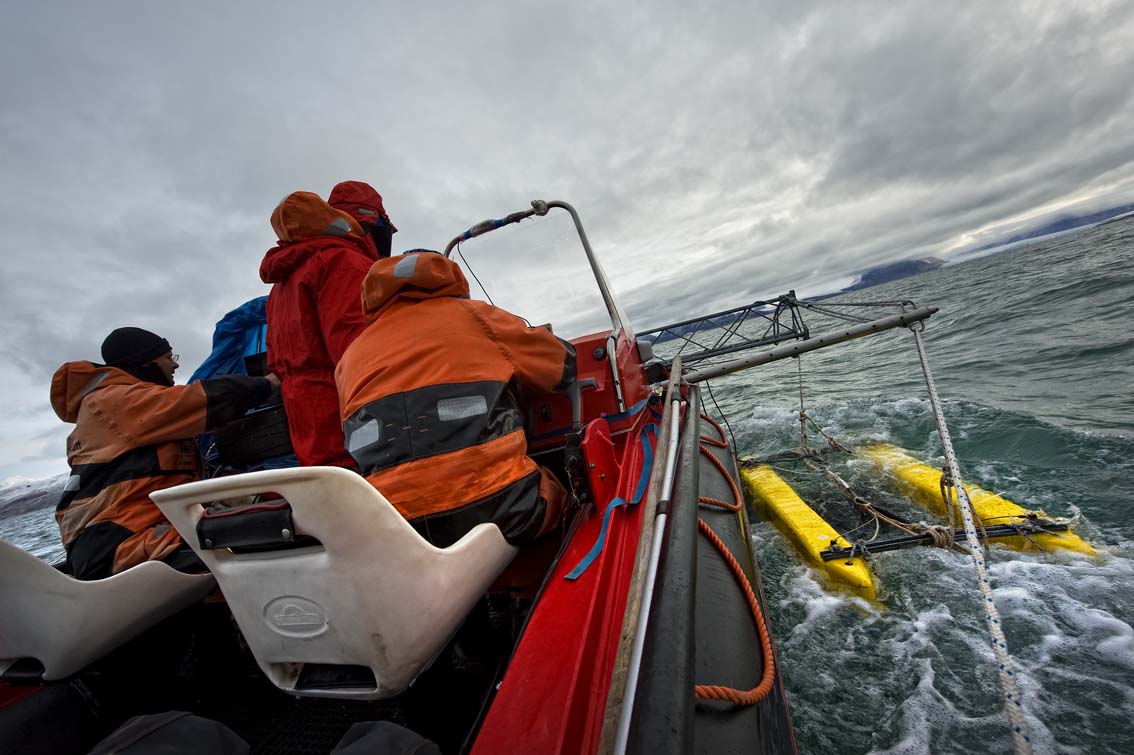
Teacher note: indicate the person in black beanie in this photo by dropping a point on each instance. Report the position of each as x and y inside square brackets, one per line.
[145, 355]
[134, 434]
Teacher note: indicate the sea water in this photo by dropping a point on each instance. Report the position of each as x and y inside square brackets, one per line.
[1033, 352]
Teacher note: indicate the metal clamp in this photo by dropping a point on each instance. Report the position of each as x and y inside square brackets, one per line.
[575, 395]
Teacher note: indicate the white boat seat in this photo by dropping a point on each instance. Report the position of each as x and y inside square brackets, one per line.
[360, 614]
[67, 624]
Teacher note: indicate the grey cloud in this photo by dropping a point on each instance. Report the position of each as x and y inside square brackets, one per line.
[716, 153]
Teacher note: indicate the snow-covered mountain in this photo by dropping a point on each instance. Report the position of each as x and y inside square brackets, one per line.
[21, 494]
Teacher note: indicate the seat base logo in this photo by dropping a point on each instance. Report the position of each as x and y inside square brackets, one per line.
[294, 616]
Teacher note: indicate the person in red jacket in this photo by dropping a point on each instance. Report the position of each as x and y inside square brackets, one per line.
[314, 312]
[362, 202]
[430, 403]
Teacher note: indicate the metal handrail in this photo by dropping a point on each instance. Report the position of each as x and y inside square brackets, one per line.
[671, 419]
[618, 319]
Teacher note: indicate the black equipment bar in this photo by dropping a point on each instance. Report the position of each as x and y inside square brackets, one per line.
[896, 543]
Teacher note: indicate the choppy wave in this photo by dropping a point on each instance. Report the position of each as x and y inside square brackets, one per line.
[1031, 353]
[917, 675]
[34, 531]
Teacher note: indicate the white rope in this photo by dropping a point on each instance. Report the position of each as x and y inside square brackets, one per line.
[1021, 743]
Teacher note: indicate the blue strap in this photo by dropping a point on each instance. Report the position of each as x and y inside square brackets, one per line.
[608, 417]
[639, 491]
[629, 412]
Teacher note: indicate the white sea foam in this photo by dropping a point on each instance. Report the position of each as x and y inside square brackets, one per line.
[921, 668]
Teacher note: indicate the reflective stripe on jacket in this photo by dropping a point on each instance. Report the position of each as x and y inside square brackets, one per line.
[428, 397]
[131, 438]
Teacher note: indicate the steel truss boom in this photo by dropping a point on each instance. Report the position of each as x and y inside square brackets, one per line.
[773, 314]
[812, 344]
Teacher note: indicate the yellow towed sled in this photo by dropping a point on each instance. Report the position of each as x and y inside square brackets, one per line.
[923, 484]
[779, 504]
[845, 563]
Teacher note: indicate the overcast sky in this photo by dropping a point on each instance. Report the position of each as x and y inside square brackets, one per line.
[716, 155]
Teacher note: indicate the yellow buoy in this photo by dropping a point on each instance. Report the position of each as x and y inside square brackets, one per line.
[779, 504]
[923, 484]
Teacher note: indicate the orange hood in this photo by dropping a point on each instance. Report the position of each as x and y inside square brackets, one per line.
[415, 275]
[303, 215]
[74, 381]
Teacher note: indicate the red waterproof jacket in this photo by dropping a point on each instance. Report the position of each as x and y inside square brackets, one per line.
[314, 312]
[429, 402]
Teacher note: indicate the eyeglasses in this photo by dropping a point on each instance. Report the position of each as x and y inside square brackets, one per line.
[175, 357]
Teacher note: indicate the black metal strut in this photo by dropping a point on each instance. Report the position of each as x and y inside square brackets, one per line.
[1021, 529]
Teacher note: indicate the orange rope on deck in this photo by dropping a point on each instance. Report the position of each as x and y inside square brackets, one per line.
[761, 690]
[767, 679]
[712, 441]
[731, 483]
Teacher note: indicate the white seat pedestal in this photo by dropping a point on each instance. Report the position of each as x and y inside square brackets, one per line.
[67, 624]
[374, 594]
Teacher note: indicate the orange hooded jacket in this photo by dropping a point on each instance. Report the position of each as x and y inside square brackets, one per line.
[131, 438]
[314, 311]
[428, 405]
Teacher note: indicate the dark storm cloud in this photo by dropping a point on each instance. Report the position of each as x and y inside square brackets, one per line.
[716, 154]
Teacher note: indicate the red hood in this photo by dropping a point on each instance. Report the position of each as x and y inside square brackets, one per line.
[425, 275]
[74, 381]
[282, 260]
[360, 200]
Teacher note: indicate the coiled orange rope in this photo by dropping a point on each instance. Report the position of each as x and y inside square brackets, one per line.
[713, 441]
[731, 483]
[761, 690]
[767, 679]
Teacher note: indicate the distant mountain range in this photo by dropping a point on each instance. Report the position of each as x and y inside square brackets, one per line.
[19, 495]
[892, 271]
[1061, 223]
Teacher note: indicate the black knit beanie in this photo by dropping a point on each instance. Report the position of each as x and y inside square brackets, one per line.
[133, 347]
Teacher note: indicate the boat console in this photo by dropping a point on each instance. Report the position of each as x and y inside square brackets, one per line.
[610, 385]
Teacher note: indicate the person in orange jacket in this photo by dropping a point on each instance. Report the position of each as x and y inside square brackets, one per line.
[362, 201]
[134, 434]
[428, 402]
[314, 311]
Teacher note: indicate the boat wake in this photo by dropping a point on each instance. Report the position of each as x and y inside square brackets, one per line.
[915, 674]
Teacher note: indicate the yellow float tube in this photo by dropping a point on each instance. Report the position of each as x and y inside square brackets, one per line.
[779, 504]
[923, 484]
